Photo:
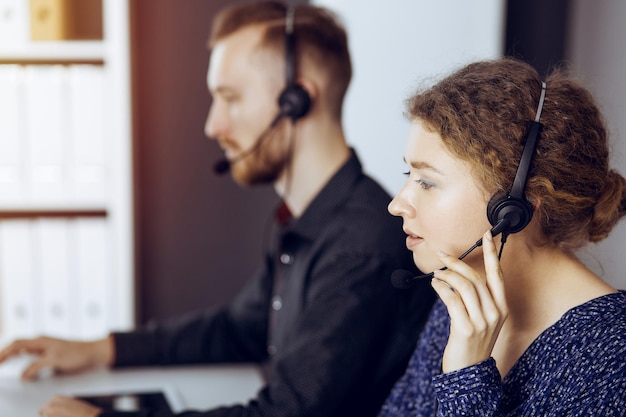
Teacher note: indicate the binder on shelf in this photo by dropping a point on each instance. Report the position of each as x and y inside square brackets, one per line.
[46, 132]
[65, 19]
[49, 19]
[13, 23]
[53, 270]
[20, 293]
[94, 292]
[11, 175]
[86, 114]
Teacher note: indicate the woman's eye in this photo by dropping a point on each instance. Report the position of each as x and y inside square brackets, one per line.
[424, 184]
[420, 181]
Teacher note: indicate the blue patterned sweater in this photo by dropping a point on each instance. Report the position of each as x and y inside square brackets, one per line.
[577, 367]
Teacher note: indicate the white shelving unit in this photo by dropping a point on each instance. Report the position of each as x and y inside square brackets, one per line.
[70, 51]
[66, 241]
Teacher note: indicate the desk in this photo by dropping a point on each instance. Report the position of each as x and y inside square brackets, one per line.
[199, 387]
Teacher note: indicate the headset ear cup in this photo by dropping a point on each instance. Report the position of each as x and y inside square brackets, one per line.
[294, 102]
[519, 212]
[492, 207]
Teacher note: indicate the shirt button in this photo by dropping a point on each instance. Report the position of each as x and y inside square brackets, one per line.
[271, 350]
[286, 259]
[277, 303]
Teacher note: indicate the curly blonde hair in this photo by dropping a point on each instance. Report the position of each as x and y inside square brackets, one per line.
[482, 112]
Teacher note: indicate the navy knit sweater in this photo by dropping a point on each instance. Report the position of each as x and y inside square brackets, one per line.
[577, 367]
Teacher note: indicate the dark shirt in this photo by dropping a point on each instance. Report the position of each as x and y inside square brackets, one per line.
[320, 312]
[576, 367]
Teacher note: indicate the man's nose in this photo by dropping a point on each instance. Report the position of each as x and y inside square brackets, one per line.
[216, 124]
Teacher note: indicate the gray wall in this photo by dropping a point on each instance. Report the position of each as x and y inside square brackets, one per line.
[395, 48]
[597, 53]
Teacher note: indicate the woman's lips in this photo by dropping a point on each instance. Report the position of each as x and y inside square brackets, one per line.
[412, 241]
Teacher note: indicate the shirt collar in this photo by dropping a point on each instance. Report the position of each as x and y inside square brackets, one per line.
[331, 197]
[283, 214]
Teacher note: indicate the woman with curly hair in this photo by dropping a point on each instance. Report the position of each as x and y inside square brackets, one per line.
[523, 328]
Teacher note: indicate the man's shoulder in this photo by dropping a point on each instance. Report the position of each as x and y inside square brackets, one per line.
[367, 189]
[363, 217]
[369, 200]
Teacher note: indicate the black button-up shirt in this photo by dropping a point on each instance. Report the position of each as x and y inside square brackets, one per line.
[321, 312]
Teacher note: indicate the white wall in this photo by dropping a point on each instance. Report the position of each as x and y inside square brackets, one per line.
[598, 57]
[397, 45]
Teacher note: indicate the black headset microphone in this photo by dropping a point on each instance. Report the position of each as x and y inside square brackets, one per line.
[293, 102]
[508, 213]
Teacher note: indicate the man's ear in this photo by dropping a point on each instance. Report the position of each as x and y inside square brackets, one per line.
[310, 87]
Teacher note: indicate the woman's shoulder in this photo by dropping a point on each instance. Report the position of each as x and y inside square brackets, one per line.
[605, 311]
[582, 355]
[596, 328]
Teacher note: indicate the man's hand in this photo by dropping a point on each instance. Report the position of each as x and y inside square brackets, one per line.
[68, 407]
[60, 355]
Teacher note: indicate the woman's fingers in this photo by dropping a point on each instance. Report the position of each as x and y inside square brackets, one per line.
[476, 305]
[470, 286]
[459, 292]
[495, 281]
